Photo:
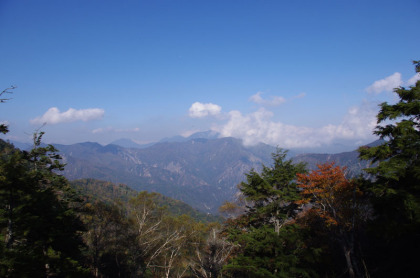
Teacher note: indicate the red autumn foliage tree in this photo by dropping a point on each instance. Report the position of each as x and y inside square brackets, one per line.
[337, 202]
[332, 196]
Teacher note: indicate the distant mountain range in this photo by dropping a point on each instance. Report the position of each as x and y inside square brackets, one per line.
[350, 160]
[128, 143]
[201, 170]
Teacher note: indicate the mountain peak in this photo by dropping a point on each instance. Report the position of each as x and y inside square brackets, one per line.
[130, 144]
[209, 134]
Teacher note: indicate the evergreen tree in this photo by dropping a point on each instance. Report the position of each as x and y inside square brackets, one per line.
[395, 187]
[269, 243]
[272, 194]
[39, 228]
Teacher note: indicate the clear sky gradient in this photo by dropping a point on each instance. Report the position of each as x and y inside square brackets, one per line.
[287, 73]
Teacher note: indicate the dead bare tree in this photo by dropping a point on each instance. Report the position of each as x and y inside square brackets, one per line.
[160, 238]
[210, 260]
[3, 127]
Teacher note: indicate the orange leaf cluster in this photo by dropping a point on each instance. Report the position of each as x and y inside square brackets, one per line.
[330, 194]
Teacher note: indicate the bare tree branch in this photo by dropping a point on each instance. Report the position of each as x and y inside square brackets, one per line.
[6, 91]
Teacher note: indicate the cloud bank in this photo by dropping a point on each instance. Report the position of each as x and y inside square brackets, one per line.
[385, 85]
[388, 84]
[54, 116]
[259, 127]
[200, 110]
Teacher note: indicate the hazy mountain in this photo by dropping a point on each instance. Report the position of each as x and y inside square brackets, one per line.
[326, 149]
[128, 143]
[22, 146]
[201, 172]
[172, 139]
[347, 159]
[209, 134]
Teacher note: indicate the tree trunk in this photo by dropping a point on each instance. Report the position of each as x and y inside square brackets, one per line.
[351, 260]
[347, 254]
[10, 234]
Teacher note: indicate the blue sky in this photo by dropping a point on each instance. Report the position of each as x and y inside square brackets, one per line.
[287, 73]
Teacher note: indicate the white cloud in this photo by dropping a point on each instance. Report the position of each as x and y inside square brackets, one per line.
[385, 85]
[200, 110]
[412, 81]
[273, 101]
[358, 123]
[114, 130]
[102, 130]
[258, 127]
[54, 116]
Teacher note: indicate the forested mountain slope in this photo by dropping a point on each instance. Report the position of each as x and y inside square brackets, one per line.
[110, 193]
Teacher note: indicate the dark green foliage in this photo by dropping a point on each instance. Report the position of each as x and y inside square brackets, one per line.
[4, 129]
[273, 192]
[39, 228]
[395, 189]
[269, 244]
[265, 253]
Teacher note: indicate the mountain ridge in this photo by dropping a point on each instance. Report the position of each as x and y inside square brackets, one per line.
[201, 172]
